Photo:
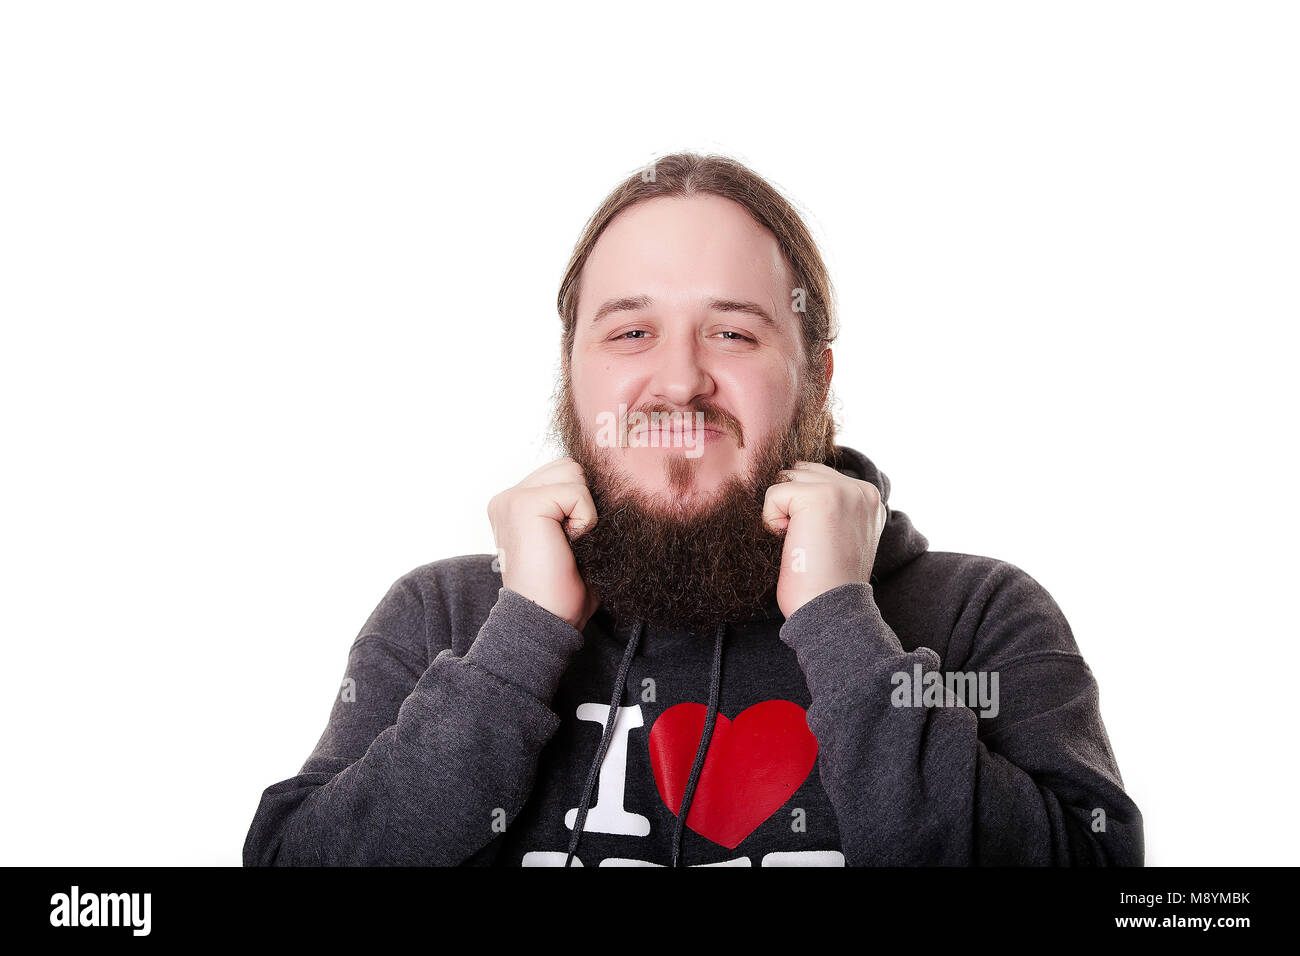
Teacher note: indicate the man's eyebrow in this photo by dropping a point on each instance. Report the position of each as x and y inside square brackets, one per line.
[632, 303]
[626, 304]
[749, 308]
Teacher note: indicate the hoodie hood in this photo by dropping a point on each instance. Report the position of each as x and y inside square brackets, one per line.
[899, 544]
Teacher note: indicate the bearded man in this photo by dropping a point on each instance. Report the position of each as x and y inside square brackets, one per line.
[705, 638]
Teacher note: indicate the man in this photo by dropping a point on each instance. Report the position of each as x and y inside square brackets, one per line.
[705, 638]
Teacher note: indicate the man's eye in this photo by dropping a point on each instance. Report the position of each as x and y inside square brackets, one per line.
[637, 332]
[737, 337]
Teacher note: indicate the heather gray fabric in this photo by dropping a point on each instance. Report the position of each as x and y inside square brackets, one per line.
[477, 716]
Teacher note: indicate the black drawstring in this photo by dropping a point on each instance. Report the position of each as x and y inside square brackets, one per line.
[710, 717]
[620, 682]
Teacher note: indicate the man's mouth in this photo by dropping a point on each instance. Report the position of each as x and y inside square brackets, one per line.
[675, 434]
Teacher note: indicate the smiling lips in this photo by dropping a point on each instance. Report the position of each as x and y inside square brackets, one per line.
[675, 434]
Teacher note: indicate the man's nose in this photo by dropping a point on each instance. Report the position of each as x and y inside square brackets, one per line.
[680, 376]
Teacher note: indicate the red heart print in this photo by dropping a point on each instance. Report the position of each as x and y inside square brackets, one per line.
[753, 766]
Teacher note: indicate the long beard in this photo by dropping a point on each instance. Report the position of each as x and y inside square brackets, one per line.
[685, 564]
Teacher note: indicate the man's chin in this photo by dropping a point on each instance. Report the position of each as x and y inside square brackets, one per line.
[670, 482]
[689, 558]
[682, 506]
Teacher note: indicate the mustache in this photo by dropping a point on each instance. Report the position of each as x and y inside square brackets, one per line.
[713, 415]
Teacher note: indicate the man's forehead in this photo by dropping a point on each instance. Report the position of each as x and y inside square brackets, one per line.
[702, 252]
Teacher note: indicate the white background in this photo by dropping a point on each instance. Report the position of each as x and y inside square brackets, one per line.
[277, 284]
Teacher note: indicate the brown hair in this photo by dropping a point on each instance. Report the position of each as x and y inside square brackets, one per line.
[682, 175]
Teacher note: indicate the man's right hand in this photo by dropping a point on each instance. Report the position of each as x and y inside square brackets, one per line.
[528, 524]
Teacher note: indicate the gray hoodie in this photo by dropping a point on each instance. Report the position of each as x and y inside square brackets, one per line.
[941, 714]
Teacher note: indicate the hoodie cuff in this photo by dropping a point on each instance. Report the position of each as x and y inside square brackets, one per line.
[837, 633]
[524, 644]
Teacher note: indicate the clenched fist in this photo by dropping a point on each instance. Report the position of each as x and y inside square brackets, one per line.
[832, 526]
[532, 538]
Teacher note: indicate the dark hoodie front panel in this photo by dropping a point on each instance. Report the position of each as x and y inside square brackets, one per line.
[765, 798]
[470, 721]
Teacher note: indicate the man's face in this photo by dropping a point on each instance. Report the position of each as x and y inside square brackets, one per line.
[685, 305]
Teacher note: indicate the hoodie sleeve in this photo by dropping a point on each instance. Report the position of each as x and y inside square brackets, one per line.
[1033, 783]
[422, 762]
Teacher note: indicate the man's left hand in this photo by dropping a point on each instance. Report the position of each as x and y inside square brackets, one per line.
[832, 525]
